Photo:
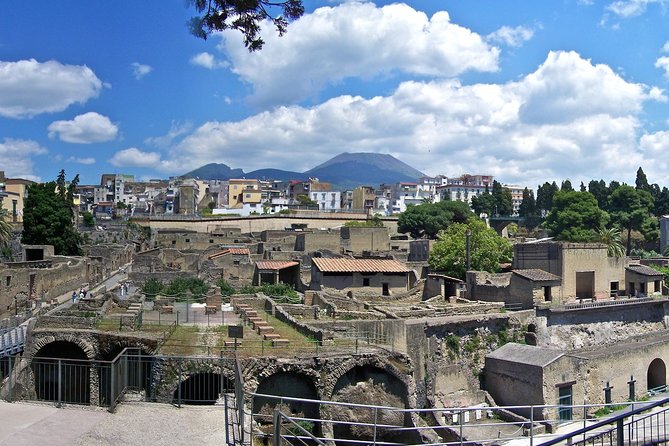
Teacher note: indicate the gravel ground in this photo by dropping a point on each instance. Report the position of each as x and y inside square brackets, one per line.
[138, 424]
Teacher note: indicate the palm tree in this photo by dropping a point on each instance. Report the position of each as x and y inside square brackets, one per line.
[612, 238]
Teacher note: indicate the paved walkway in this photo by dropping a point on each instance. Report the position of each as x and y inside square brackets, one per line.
[138, 424]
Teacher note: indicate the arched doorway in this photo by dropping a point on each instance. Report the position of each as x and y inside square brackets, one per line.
[62, 373]
[202, 389]
[287, 384]
[657, 375]
[371, 385]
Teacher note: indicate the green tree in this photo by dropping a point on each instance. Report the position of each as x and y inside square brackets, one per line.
[503, 199]
[48, 218]
[226, 288]
[528, 208]
[545, 194]
[575, 217]
[426, 220]
[89, 221]
[484, 203]
[641, 181]
[566, 186]
[244, 16]
[630, 209]
[662, 203]
[601, 193]
[487, 249]
[304, 200]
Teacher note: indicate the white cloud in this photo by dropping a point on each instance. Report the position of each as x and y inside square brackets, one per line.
[356, 40]
[570, 115]
[207, 60]
[28, 87]
[140, 70]
[665, 47]
[85, 161]
[631, 8]
[88, 128]
[511, 36]
[17, 157]
[134, 157]
[176, 130]
[663, 63]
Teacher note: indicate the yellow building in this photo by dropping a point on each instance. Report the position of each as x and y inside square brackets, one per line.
[17, 191]
[242, 191]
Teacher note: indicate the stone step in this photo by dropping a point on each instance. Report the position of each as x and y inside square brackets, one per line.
[232, 343]
[271, 336]
[250, 313]
[280, 342]
[262, 329]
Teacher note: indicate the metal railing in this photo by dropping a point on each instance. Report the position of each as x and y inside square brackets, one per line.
[479, 425]
[630, 427]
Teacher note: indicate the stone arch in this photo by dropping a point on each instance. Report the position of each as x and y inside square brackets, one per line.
[370, 383]
[657, 374]
[286, 384]
[202, 388]
[40, 341]
[180, 370]
[62, 373]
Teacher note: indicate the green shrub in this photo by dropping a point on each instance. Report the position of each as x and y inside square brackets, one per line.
[152, 287]
[226, 288]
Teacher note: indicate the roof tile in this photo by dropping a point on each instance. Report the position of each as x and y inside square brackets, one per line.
[344, 265]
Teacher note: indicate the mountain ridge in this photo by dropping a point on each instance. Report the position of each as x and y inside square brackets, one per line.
[345, 170]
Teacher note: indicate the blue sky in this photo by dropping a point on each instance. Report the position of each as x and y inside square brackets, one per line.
[528, 91]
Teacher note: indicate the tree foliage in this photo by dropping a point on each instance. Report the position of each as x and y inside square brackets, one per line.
[48, 217]
[503, 199]
[575, 217]
[545, 194]
[612, 238]
[244, 16]
[528, 208]
[487, 249]
[630, 209]
[427, 219]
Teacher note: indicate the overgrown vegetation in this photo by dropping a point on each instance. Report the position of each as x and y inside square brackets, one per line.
[374, 222]
[177, 288]
[281, 292]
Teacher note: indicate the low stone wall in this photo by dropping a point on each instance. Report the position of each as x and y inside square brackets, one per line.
[163, 276]
[67, 322]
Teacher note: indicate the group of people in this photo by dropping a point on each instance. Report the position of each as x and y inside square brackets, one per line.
[82, 294]
[124, 288]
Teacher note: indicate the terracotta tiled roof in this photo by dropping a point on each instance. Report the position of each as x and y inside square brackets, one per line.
[536, 275]
[644, 270]
[225, 252]
[275, 264]
[359, 265]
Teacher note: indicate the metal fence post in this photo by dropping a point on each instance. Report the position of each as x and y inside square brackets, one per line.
[620, 432]
[531, 425]
[277, 427]
[60, 381]
[461, 422]
[376, 415]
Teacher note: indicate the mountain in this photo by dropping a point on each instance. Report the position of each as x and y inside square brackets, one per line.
[344, 171]
[275, 174]
[364, 168]
[214, 171]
